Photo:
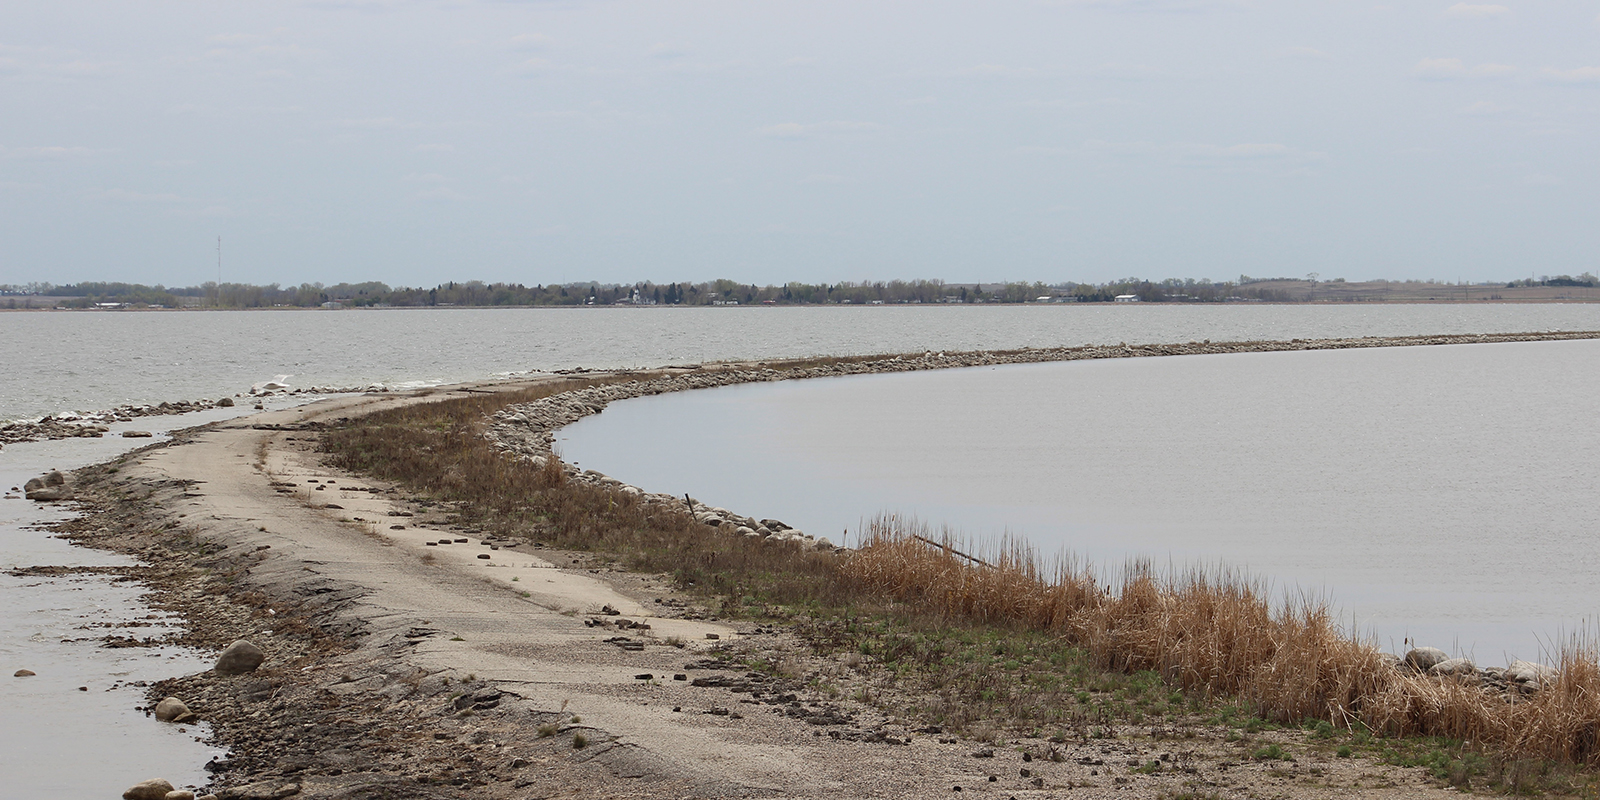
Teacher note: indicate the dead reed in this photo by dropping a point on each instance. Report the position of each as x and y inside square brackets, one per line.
[1219, 634]
[437, 450]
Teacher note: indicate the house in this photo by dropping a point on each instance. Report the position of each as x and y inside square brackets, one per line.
[1126, 298]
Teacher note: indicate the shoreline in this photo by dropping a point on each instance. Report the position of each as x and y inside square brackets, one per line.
[231, 503]
[528, 430]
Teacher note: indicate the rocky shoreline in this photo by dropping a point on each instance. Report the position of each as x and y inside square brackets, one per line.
[96, 424]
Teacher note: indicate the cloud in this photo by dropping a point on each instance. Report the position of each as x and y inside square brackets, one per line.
[667, 50]
[1455, 68]
[529, 41]
[1128, 72]
[797, 130]
[1307, 53]
[999, 71]
[1476, 11]
[440, 194]
[1148, 6]
[1247, 156]
[48, 152]
[1484, 108]
[1579, 75]
[49, 62]
[140, 198]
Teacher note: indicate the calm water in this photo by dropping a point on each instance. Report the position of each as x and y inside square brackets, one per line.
[1443, 493]
[81, 361]
[59, 741]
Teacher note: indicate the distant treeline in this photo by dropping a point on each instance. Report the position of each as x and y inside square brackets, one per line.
[717, 292]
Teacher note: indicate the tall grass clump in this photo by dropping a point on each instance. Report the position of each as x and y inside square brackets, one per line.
[1218, 633]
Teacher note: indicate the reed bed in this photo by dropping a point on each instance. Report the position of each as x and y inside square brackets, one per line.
[1218, 633]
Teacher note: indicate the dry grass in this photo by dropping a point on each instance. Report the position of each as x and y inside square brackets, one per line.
[437, 449]
[1219, 634]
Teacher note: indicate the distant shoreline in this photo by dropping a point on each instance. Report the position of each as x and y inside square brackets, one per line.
[1079, 304]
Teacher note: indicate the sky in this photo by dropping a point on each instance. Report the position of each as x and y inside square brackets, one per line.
[767, 141]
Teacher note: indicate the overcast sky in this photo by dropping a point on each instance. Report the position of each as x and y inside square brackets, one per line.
[416, 142]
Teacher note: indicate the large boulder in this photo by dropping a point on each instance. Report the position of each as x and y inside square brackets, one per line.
[153, 789]
[51, 494]
[239, 658]
[34, 485]
[1458, 667]
[1423, 659]
[55, 478]
[172, 710]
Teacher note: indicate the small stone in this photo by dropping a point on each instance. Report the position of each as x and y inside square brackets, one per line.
[484, 556]
[226, 402]
[985, 752]
[170, 709]
[23, 673]
[264, 790]
[136, 434]
[180, 794]
[713, 636]
[153, 789]
[239, 658]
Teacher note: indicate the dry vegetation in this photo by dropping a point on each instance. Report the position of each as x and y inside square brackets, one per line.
[1218, 635]
[1010, 643]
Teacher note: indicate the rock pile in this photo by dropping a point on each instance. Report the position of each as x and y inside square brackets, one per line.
[1522, 677]
[97, 424]
[51, 487]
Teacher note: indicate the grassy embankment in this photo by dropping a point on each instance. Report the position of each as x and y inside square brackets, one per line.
[1014, 646]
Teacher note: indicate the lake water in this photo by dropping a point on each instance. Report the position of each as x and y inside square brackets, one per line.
[1441, 493]
[864, 446]
[91, 360]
